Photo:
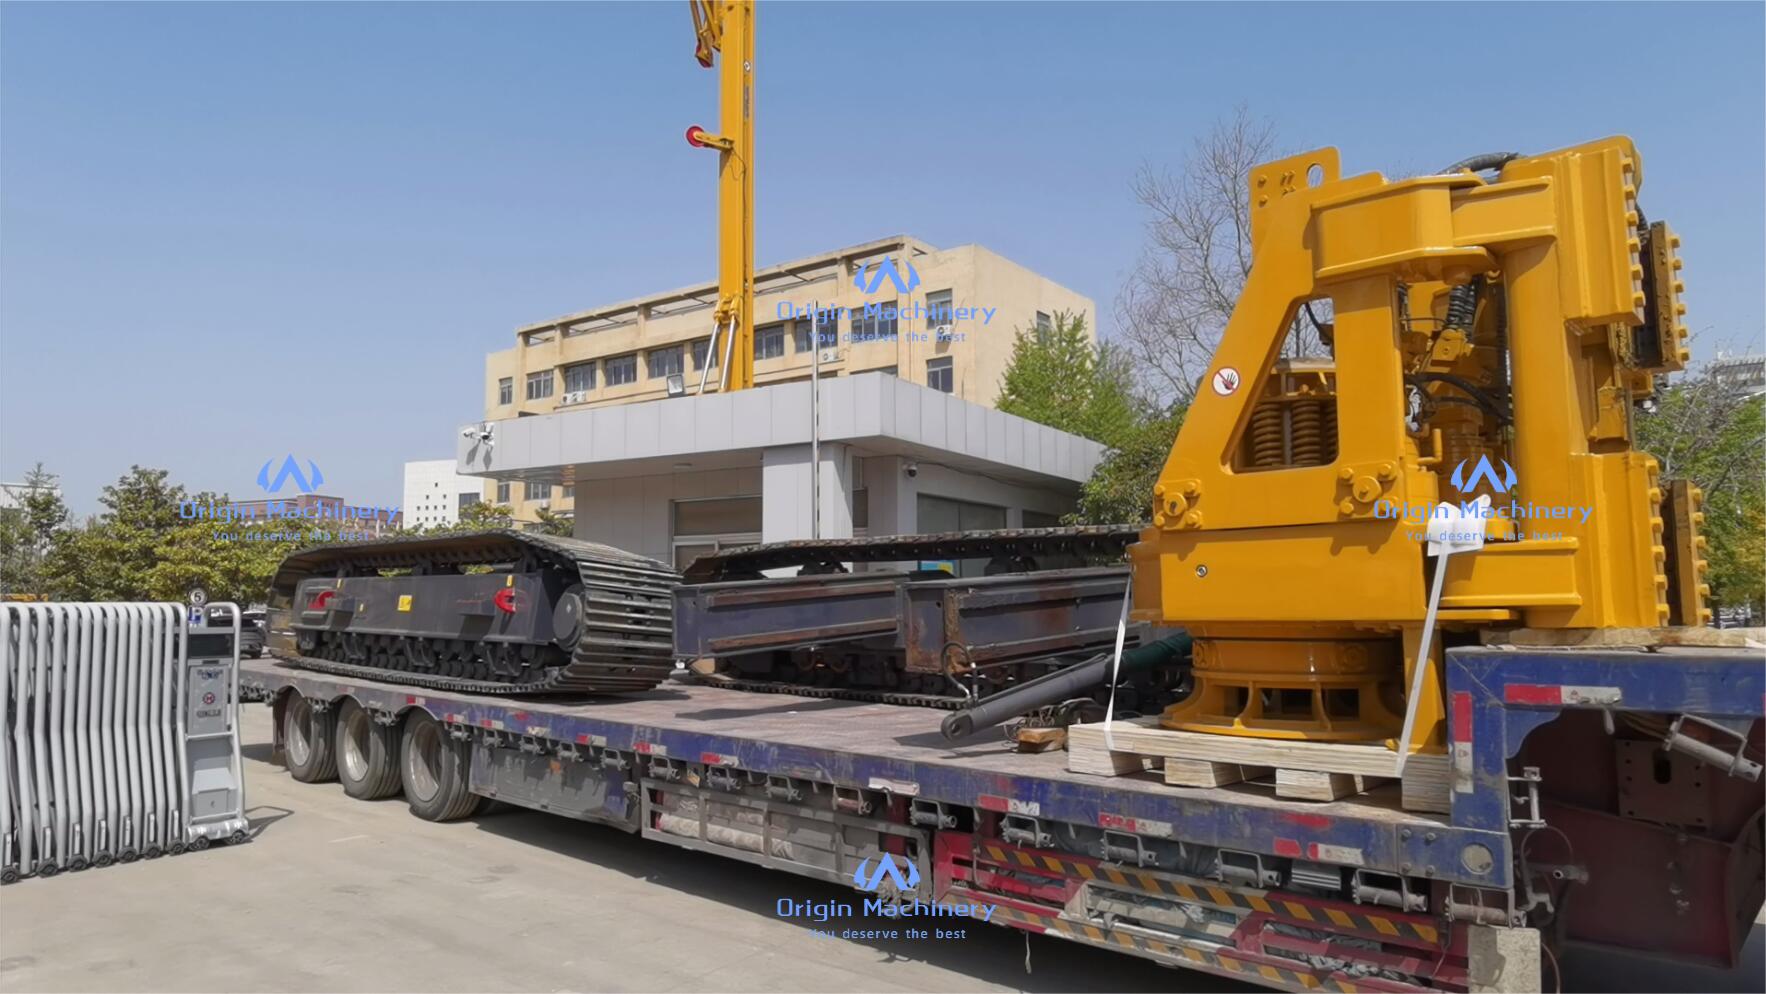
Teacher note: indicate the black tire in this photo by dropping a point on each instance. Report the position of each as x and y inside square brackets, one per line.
[367, 754]
[307, 741]
[433, 768]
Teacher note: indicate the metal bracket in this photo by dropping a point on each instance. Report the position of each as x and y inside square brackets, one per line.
[851, 800]
[783, 789]
[612, 759]
[1248, 868]
[382, 717]
[568, 750]
[666, 769]
[459, 733]
[1529, 801]
[1731, 762]
[1387, 890]
[931, 814]
[532, 745]
[1467, 904]
[723, 778]
[1126, 847]
[1024, 830]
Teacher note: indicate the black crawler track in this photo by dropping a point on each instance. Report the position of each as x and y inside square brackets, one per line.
[627, 640]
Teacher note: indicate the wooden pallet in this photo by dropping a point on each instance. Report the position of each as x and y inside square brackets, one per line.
[1311, 771]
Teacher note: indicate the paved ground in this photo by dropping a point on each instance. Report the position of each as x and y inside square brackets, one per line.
[341, 895]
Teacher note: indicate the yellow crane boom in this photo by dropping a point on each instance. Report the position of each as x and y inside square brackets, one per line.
[726, 28]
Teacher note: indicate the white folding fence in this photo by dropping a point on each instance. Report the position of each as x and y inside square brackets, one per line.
[121, 737]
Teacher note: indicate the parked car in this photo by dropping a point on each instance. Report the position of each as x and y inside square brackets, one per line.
[252, 631]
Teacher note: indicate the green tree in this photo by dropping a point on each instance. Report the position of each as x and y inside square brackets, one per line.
[110, 558]
[1120, 490]
[553, 524]
[27, 532]
[230, 561]
[474, 517]
[1060, 378]
[1706, 431]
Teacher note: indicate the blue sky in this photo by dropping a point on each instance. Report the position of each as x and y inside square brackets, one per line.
[230, 232]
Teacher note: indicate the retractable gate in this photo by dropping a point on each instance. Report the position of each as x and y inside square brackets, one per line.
[121, 737]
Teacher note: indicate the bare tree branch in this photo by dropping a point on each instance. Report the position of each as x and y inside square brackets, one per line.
[1192, 268]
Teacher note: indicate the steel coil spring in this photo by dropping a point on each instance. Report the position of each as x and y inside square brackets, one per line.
[1266, 434]
[1308, 432]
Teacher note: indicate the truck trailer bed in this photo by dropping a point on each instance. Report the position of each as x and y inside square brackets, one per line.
[1349, 894]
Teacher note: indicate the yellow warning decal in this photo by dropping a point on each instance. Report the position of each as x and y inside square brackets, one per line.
[404, 602]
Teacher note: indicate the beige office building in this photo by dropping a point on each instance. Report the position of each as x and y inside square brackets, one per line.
[944, 319]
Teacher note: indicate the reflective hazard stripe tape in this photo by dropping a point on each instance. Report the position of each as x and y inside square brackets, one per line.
[1560, 695]
[1460, 712]
[1207, 892]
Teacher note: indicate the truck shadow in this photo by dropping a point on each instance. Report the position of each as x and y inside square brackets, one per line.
[990, 953]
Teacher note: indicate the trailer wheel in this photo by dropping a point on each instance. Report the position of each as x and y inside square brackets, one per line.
[433, 769]
[307, 741]
[367, 754]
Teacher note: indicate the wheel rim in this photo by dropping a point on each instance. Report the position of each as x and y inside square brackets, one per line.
[300, 731]
[355, 745]
[423, 762]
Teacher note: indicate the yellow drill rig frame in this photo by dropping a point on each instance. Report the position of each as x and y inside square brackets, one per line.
[1489, 331]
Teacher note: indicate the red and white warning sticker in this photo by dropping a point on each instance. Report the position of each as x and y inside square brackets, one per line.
[1226, 381]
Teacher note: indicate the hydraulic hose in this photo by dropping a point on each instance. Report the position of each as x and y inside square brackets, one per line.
[1065, 684]
[1479, 163]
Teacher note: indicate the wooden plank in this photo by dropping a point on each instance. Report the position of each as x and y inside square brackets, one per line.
[1202, 773]
[1311, 785]
[1041, 739]
[1425, 781]
[1623, 638]
[1101, 762]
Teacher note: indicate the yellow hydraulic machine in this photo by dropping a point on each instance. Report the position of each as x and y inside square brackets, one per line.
[725, 28]
[1486, 333]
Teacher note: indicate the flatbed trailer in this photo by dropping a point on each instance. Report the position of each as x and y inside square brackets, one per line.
[1355, 894]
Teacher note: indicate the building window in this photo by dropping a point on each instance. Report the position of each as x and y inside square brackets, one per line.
[579, 378]
[539, 385]
[1040, 519]
[569, 491]
[870, 323]
[621, 369]
[700, 348]
[1044, 325]
[467, 500]
[939, 376]
[802, 328]
[663, 362]
[769, 341]
[938, 311]
[503, 492]
[541, 492]
[506, 390]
